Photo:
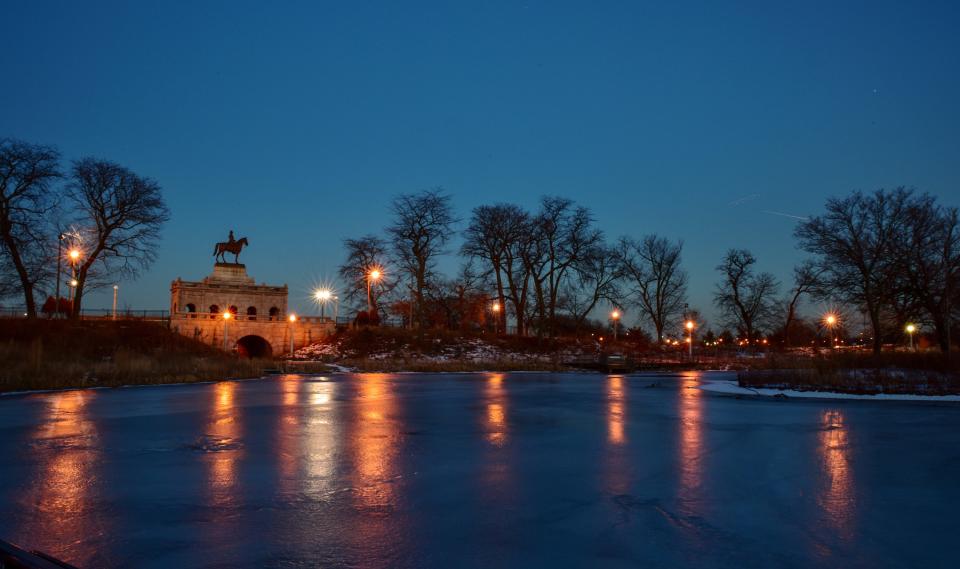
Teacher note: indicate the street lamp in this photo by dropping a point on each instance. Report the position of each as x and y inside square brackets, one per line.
[831, 321]
[226, 318]
[59, 264]
[372, 276]
[690, 326]
[74, 256]
[323, 296]
[911, 328]
[615, 316]
[495, 308]
[293, 320]
[116, 289]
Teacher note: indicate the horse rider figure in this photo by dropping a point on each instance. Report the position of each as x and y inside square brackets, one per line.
[232, 245]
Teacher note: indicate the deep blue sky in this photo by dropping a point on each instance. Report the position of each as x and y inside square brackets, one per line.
[295, 124]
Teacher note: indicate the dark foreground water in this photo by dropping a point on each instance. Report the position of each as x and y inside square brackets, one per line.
[478, 470]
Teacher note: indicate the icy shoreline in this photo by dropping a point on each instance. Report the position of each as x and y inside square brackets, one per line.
[730, 387]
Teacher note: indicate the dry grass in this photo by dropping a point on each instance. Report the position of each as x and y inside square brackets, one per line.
[61, 354]
[414, 365]
[859, 372]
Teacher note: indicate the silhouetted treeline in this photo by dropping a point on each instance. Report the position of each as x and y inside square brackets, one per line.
[893, 256]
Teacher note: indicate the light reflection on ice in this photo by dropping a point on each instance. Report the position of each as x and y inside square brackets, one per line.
[68, 474]
[691, 443]
[837, 496]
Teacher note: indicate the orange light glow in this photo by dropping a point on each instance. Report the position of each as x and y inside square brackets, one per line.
[615, 314]
[74, 254]
[496, 410]
[830, 319]
[616, 410]
[375, 274]
[67, 481]
[226, 315]
[292, 318]
[689, 324]
[837, 497]
[691, 443]
[375, 443]
[495, 307]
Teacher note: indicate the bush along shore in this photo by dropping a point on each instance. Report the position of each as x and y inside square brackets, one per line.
[59, 354]
[859, 373]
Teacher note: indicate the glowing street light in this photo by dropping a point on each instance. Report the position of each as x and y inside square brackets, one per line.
[323, 296]
[373, 276]
[690, 325]
[615, 316]
[831, 320]
[911, 328]
[116, 289]
[226, 318]
[495, 308]
[293, 320]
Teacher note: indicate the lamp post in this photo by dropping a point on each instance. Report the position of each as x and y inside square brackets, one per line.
[59, 263]
[116, 289]
[372, 276]
[226, 318]
[615, 316]
[911, 328]
[831, 321]
[74, 255]
[690, 326]
[495, 308]
[293, 320]
[323, 296]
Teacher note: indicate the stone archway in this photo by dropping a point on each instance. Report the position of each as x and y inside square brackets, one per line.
[253, 346]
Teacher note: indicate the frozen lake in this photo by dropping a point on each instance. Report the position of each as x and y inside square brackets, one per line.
[476, 470]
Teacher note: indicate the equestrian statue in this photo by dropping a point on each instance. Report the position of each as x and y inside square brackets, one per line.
[230, 246]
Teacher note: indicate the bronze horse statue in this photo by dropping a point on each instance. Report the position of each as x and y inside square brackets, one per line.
[229, 247]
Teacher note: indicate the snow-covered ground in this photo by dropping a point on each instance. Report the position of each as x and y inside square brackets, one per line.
[730, 387]
[466, 350]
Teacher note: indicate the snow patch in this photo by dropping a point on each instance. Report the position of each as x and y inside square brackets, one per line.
[732, 388]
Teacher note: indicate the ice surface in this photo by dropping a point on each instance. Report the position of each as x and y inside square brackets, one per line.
[477, 470]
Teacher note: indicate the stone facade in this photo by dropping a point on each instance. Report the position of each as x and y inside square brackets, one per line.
[259, 324]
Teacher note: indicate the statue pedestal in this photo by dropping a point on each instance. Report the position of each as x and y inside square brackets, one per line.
[234, 273]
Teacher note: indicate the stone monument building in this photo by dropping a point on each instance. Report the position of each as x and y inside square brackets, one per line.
[258, 324]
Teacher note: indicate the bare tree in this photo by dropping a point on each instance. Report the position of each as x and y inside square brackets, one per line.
[744, 297]
[560, 235]
[806, 280]
[594, 279]
[658, 285]
[122, 213]
[27, 198]
[928, 262]
[364, 255]
[521, 241]
[422, 226]
[489, 236]
[855, 245]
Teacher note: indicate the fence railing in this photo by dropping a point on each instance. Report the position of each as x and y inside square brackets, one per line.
[90, 313]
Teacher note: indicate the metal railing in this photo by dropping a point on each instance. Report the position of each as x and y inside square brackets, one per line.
[90, 314]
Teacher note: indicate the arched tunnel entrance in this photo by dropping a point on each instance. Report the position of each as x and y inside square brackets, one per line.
[253, 347]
